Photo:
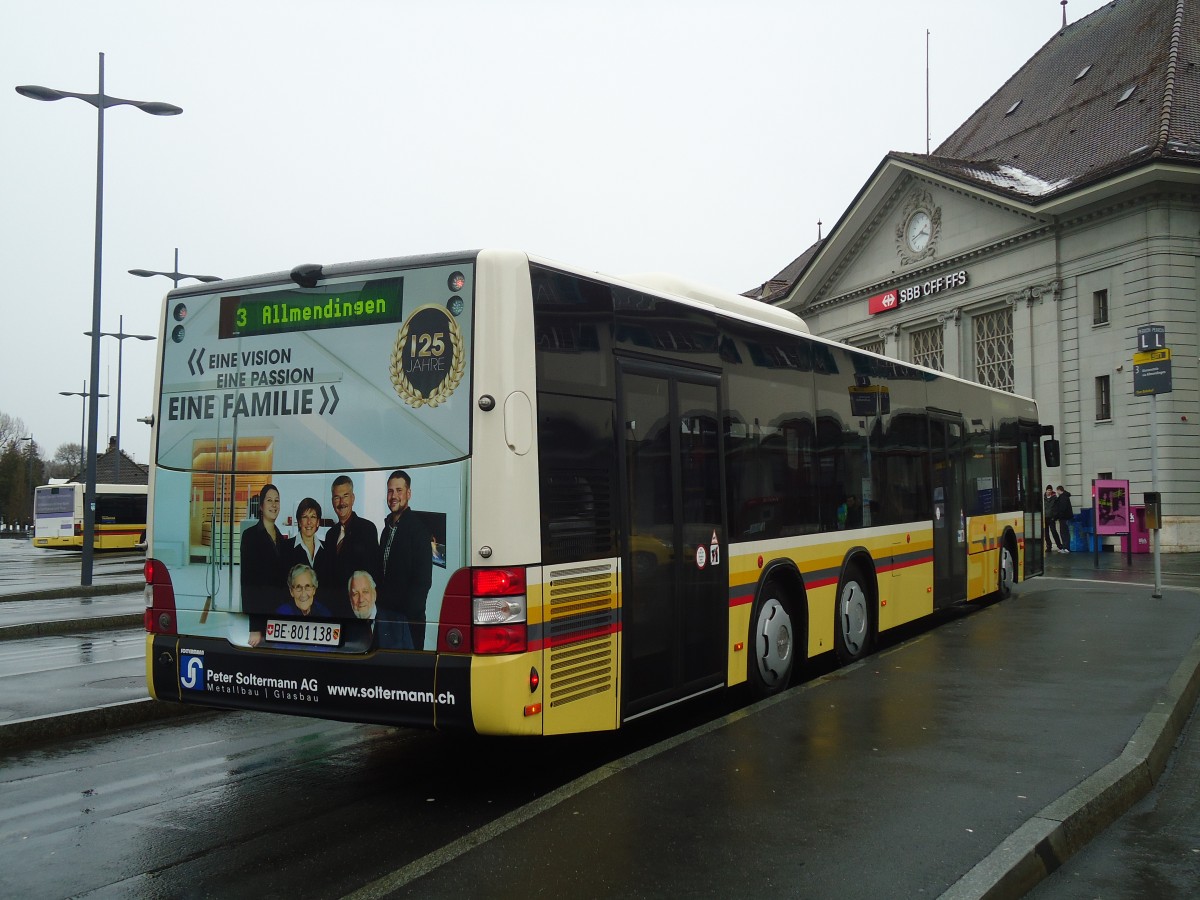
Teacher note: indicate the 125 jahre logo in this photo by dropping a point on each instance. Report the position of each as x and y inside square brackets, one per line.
[427, 363]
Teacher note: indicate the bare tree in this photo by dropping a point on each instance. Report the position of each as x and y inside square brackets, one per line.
[11, 429]
[67, 462]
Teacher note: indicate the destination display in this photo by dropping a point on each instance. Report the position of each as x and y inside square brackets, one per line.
[376, 302]
[1152, 372]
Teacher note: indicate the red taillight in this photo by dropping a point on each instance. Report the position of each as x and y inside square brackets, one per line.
[497, 582]
[160, 599]
[492, 639]
[484, 611]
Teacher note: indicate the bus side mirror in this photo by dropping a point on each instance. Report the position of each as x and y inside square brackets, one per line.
[1050, 448]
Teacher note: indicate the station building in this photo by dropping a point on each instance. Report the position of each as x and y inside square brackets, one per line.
[1028, 250]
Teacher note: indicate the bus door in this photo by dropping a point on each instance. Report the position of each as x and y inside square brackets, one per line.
[675, 578]
[1031, 498]
[947, 456]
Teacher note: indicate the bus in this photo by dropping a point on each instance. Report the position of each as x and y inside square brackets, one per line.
[120, 522]
[492, 493]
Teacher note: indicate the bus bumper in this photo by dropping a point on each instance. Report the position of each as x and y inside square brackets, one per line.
[414, 689]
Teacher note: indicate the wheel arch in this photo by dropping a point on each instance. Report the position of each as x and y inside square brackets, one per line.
[786, 573]
[1009, 539]
[861, 559]
[1007, 543]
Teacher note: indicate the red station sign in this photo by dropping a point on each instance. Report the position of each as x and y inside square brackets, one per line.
[896, 297]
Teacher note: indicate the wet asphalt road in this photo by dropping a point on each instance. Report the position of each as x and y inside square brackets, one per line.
[24, 567]
[256, 805]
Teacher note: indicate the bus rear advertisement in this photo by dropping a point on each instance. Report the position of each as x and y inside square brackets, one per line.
[487, 492]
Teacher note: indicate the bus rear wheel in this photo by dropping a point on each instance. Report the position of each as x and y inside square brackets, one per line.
[772, 642]
[853, 629]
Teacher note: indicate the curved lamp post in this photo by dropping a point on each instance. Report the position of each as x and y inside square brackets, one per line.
[176, 276]
[101, 101]
[121, 337]
[82, 416]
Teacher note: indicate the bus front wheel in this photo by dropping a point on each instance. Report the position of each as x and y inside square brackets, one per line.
[1008, 569]
[772, 642]
[852, 632]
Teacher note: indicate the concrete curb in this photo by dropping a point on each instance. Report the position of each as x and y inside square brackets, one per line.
[1062, 828]
[23, 733]
[91, 590]
[66, 626]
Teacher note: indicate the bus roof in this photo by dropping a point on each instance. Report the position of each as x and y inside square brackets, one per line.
[667, 285]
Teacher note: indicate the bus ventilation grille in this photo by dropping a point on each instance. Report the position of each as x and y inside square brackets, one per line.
[581, 615]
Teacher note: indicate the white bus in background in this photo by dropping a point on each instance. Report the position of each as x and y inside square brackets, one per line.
[120, 516]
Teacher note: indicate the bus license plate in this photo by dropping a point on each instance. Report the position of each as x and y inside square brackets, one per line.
[322, 633]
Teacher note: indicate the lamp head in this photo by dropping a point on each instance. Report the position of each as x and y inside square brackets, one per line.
[156, 108]
[37, 92]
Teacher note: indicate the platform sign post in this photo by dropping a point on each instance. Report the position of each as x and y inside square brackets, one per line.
[1152, 376]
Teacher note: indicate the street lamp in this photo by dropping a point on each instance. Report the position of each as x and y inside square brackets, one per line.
[176, 276]
[83, 416]
[121, 337]
[101, 101]
[29, 475]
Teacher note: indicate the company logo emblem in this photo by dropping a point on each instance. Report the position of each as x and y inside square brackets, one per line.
[884, 302]
[428, 361]
[191, 673]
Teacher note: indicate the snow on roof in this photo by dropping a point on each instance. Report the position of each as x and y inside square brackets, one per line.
[1010, 178]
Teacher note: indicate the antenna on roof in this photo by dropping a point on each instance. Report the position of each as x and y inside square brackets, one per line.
[1064, 6]
[927, 90]
[818, 229]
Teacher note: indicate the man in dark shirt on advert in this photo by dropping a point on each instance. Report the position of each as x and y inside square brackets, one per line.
[350, 545]
[405, 564]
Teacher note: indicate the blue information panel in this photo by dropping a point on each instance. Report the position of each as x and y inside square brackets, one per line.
[1152, 373]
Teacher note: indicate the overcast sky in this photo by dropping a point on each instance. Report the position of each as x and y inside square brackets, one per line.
[704, 139]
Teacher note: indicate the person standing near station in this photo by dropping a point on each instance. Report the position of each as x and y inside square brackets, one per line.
[1064, 512]
[405, 563]
[1050, 521]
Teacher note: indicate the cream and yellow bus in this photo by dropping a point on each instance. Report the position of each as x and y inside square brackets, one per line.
[120, 522]
[488, 492]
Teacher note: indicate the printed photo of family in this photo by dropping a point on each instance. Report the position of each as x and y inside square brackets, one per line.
[356, 573]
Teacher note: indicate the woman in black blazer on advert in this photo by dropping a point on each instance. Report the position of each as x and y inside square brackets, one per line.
[265, 557]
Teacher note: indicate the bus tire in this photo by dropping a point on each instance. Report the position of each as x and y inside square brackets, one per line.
[772, 641]
[1007, 568]
[853, 628]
